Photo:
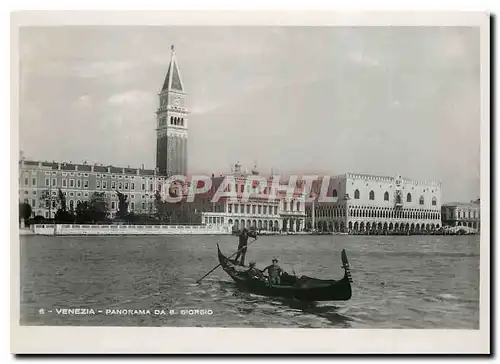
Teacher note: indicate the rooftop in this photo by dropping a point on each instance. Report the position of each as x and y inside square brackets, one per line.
[86, 167]
[471, 203]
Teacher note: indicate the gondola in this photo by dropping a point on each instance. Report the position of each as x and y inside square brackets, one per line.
[303, 288]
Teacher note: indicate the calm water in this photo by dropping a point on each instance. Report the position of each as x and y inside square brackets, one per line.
[399, 282]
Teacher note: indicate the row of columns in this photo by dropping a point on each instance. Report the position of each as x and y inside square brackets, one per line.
[292, 225]
[267, 225]
[360, 226]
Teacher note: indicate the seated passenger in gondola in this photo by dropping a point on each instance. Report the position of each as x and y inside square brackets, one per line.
[274, 271]
[253, 272]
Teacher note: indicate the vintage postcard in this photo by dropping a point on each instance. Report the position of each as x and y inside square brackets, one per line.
[308, 182]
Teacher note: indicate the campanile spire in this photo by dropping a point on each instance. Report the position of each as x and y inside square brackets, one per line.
[173, 80]
[172, 124]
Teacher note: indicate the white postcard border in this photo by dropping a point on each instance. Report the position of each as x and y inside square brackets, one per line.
[149, 340]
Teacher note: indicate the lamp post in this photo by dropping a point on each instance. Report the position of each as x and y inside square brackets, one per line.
[50, 201]
[313, 213]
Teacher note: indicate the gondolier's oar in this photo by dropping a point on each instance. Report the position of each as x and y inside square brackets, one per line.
[218, 265]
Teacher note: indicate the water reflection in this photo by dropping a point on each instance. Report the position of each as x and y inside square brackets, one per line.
[286, 307]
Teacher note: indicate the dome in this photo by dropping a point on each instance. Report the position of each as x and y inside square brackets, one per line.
[255, 171]
[237, 167]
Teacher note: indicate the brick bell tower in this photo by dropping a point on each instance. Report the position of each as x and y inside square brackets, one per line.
[172, 124]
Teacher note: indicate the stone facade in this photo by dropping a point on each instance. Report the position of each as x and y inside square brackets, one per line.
[39, 183]
[361, 203]
[264, 213]
[462, 214]
[172, 124]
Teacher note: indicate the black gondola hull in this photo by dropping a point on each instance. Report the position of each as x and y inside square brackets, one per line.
[304, 288]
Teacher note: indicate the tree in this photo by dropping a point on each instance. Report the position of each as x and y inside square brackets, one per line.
[62, 200]
[94, 210]
[82, 212]
[160, 207]
[98, 207]
[122, 205]
[62, 215]
[24, 211]
[47, 200]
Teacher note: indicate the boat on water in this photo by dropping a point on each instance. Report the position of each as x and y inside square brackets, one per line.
[303, 288]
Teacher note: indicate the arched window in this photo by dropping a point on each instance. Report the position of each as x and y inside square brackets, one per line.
[408, 197]
[386, 196]
[356, 195]
[171, 120]
[372, 195]
[398, 199]
[334, 193]
[434, 201]
[421, 200]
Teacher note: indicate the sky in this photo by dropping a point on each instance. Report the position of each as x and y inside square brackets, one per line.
[323, 100]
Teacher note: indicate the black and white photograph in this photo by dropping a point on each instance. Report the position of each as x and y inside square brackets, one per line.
[326, 178]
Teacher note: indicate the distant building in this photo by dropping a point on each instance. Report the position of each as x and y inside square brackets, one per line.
[39, 181]
[264, 213]
[462, 214]
[359, 202]
[172, 124]
[364, 203]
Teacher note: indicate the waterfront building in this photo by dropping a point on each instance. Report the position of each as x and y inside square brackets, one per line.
[278, 212]
[462, 214]
[39, 181]
[358, 202]
[362, 203]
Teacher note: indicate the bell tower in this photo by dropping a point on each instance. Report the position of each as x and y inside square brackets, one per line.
[172, 124]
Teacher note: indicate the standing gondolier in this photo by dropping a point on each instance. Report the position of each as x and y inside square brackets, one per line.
[243, 236]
